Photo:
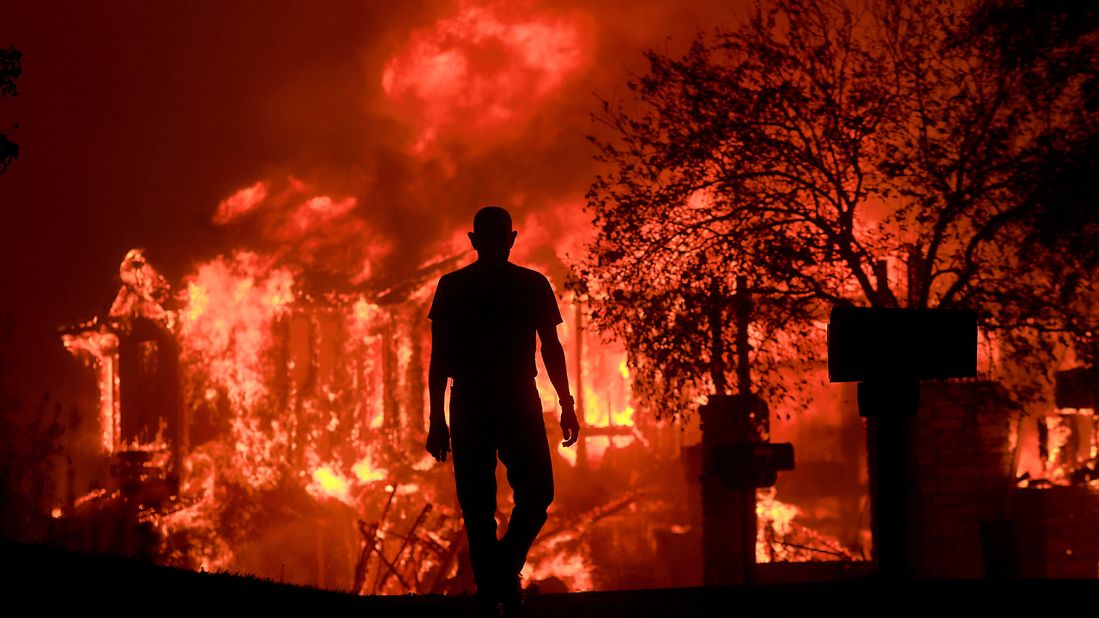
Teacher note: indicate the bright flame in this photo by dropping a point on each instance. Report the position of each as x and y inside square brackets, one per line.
[229, 311]
[367, 473]
[773, 514]
[328, 483]
[568, 566]
[100, 348]
[230, 306]
[623, 418]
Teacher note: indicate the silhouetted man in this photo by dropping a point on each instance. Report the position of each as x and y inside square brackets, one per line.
[484, 318]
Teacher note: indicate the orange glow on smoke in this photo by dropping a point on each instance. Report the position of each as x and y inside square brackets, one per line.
[482, 69]
[319, 210]
[241, 203]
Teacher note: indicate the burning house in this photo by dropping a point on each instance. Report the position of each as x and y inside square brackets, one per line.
[236, 399]
[254, 423]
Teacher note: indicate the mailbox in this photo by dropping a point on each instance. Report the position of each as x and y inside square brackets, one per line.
[899, 344]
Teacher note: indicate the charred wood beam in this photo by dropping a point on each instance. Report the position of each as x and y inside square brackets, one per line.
[394, 564]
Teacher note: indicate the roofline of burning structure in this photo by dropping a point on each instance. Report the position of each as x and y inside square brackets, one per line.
[399, 292]
[322, 288]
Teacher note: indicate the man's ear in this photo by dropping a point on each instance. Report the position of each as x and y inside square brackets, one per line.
[472, 239]
[514, 233]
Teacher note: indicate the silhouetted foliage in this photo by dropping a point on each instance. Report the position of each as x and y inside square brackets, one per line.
[10, 69]
[1056, 43]
[901, 154]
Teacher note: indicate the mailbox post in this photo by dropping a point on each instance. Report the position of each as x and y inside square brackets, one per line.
[734, 463]
[735, 457]
[888, 352]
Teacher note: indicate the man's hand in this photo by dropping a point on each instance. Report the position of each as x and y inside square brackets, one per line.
[438, 440]
[570, 425]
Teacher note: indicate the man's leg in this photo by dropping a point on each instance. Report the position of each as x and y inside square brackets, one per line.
[475, 481]
[524, 451]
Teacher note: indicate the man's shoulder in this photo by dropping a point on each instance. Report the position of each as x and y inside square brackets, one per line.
[474, 275]
[528, 274]
[457, 275]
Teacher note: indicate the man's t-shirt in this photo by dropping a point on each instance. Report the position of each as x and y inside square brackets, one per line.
[488, 314]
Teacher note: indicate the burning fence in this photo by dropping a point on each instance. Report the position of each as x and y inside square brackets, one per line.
[253, 425]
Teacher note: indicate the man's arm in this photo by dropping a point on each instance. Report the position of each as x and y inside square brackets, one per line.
[553, 355]
[438, 436]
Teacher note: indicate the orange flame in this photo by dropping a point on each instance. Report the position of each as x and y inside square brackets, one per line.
[229, 309]
[100, 349]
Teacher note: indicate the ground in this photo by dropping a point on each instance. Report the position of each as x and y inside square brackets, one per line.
[44, 580]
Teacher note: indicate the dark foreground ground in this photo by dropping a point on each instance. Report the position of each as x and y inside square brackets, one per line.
[44, 581]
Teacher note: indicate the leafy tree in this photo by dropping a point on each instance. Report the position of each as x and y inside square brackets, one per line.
[1056, 42]
[890, 155]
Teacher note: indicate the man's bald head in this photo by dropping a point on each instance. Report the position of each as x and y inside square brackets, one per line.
[492, 235]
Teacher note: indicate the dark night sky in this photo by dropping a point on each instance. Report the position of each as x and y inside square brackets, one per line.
[137, 118]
